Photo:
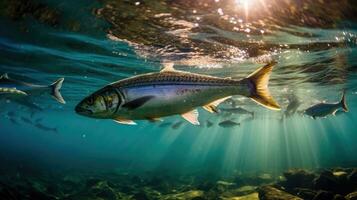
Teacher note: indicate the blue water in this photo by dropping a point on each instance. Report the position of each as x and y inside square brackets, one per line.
[90, 58]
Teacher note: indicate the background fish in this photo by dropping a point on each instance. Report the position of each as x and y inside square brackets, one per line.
[292, 107]
[14, 88]
[170, 92]
[238, 110]
[325, 109]
[177, 125]
[45, 128]
[228, 124]
[209, 123]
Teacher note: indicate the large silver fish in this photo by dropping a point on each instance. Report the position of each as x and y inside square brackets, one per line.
[15, 89]
[170, 92]
[325, 109]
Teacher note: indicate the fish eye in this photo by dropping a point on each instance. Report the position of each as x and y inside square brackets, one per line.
[90, 101]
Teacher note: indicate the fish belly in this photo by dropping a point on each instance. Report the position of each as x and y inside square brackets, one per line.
[171, 99]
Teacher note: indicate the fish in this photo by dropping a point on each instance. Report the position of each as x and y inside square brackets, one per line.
[11, 114]
[26, 120]
[177, 125]
[325, 109]
[13, 121]
[228, 124]
[238, 110]
[209, 123]
[165, 124]
[172, 92]
[292, 107]
[248, 119]
[38, 120]
[17, 90]
[45, 128]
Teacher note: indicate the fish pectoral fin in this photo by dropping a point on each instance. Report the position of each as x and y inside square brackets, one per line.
[334, 113]
[124, 121]
[168, 67]
[212, 107]
[191, 117]
[12, 91]
[136, 103]
[155, 119]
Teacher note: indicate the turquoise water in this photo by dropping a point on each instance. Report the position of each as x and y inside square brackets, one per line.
[315, 62]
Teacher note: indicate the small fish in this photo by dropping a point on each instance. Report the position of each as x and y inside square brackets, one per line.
[165, 124]
[237, 110]
[11, 114]
[45, 128]
[228, 124]
[248, 119]
[177, 125]
[171, 92]
[26, 120]
[13, 121]
[38, 120]
[14, 89]
[209, 123]
[294, 104]
[325, 109]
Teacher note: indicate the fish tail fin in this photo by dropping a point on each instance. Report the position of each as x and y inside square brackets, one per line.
[343, 101]
[258, 87]
[56, 86]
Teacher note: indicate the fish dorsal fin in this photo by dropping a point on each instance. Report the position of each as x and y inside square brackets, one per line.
[4, 76]
[212, 107]
[124, 121]
[168, 67]
[191, 117]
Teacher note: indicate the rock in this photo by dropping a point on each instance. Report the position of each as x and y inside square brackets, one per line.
[160, 184]
[141, 196]
[252, 196]
[189, 195]
[271, 193]
[222, 186]
[146, 194]
[92, 182]
[324, 195]
[339, 173]
[351, 196]
[102, 190]
[298, 178]
[338, 197]
[325, 181]
[241, 191]
[305, 193]
[265, 178]
[206, 185]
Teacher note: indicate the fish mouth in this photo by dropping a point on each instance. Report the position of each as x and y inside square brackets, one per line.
[83, 111]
